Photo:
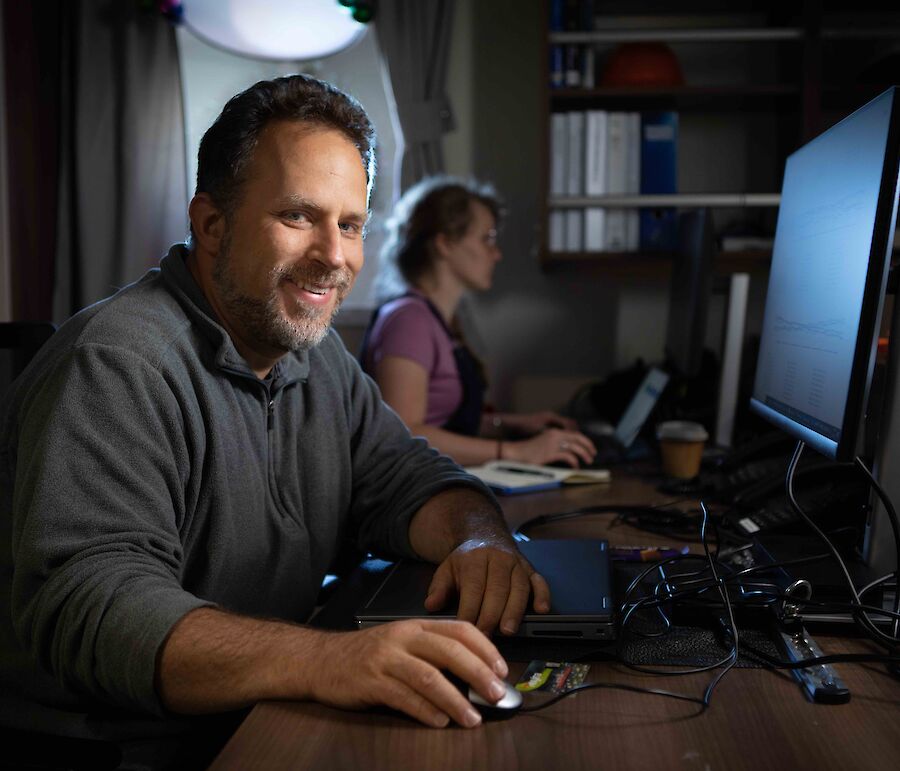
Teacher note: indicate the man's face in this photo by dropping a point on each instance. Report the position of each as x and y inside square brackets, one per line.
[293, 245]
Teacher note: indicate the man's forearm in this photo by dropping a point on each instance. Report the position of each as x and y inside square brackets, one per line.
[215, 661]
[452, 517]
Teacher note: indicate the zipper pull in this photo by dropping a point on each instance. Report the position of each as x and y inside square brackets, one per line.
[270, 411]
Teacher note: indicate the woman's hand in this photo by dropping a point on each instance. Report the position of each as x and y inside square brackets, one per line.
[552, 446]
[531, 423]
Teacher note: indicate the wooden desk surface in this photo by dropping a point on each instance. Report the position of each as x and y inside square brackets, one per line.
[758, 719]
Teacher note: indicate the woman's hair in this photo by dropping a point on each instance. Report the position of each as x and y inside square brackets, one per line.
[440, 204]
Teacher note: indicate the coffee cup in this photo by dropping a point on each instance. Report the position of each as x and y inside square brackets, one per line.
[681, 444]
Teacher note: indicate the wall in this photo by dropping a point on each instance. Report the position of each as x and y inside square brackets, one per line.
[543, 333]
[5, 274]
[536, 325]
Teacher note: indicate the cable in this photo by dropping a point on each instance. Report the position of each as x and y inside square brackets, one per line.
[895, 527]
[643, 517]
[872, 584]
[837, 658]
[617, 686]
[723, 593]
[728, 661]
[860, 615]
[692, 587]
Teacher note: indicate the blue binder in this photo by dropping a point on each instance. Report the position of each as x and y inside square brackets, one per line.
[659, 174]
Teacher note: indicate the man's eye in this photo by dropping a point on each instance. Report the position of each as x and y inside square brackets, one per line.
[351, 228]
[295, 216]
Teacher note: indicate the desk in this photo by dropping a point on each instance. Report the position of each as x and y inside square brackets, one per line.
[758, 719]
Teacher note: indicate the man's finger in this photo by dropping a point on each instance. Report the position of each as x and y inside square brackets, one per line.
[430, 684]
[470, 583]
[541, 591]
[496, 592]
[516, 604]
[474, 640]
[440, 588]
[401, 697]
[468, 668]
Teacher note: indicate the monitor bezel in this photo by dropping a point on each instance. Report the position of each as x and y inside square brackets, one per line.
[867, 333]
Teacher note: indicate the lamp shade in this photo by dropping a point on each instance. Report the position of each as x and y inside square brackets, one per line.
[273, 29]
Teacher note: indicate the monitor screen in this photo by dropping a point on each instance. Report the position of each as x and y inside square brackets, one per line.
[826, 284]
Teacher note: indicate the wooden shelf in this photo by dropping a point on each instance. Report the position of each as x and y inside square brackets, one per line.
[717, 35]
[810, 58]
[759, 96]
[678, 35]
[624, 201]
[653, 264]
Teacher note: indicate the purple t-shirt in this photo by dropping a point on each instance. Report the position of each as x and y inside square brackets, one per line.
[406, 327]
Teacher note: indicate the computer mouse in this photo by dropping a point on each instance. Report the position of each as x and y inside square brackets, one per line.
[504, 709]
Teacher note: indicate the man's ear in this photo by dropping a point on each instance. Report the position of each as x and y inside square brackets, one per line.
[207, 222]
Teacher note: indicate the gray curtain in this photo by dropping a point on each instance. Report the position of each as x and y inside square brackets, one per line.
[123, 196]
[414, 36]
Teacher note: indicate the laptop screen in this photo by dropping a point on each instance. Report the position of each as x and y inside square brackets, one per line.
[640, 406]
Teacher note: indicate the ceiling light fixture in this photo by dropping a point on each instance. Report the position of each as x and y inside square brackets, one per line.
[273, 29]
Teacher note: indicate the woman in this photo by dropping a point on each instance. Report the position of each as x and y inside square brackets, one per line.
[443, 243]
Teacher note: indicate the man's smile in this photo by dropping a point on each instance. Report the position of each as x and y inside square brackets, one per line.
[308, 293]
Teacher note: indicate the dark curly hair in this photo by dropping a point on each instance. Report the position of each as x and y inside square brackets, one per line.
[228, 144]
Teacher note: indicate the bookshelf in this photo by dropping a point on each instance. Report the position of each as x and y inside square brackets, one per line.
[766, 76]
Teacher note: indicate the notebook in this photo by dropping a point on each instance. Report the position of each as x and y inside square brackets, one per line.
[578, 572]
[509, 477]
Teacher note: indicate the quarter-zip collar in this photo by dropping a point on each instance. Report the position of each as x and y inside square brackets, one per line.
[288, 369]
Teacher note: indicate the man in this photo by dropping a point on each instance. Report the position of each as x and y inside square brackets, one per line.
[182, 462]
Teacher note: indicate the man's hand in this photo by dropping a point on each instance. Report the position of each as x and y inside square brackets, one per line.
[399, 665]
[493, 581]
[462, 531]
[214, 661]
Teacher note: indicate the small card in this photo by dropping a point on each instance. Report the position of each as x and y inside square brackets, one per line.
[552, 676]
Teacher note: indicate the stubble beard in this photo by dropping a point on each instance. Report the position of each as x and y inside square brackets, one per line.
[297, 328]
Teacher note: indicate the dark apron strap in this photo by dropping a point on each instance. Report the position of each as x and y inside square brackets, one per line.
[467, 418]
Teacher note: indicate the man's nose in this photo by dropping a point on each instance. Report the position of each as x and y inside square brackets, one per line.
[328, 247]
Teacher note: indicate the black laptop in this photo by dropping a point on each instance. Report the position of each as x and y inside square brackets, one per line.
[618, 445]
[577, 571]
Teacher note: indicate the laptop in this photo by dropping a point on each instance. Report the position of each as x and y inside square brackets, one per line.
[578, 572]
[619, 444]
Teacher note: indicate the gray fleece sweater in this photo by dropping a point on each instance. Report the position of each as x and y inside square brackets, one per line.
[146, 471]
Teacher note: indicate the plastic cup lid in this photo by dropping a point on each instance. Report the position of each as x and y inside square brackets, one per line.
[681, 431]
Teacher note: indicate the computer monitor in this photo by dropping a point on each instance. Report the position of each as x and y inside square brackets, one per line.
[689, 293]
[830, 261]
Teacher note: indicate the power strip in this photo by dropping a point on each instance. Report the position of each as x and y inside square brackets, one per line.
[820, 683]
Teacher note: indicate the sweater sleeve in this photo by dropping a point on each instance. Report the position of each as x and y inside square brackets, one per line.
[98, 498]
[394, 473]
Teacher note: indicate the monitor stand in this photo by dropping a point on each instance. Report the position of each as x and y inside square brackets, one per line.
[825, 576]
